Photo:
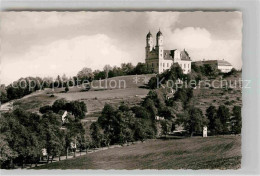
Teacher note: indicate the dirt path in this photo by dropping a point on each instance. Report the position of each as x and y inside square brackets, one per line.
[77, 154]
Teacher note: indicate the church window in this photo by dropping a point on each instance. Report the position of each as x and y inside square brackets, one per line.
[184, 65]
[167, 64]
[163, 64]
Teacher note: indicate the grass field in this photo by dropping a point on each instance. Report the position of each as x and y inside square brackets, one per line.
[131, 93]
[219, 152]
[34, 102]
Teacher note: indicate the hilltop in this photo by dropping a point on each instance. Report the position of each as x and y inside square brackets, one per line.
[95, 98]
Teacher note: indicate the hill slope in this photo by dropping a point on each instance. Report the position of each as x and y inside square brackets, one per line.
[219, 152]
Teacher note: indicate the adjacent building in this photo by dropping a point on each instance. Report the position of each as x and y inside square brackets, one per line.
[222, 65]
[160, 59]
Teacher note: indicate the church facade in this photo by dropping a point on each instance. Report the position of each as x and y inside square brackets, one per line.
[160, 59]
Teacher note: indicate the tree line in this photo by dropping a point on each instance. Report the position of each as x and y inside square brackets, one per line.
[25, 86]
[219, 120]
[24, 134]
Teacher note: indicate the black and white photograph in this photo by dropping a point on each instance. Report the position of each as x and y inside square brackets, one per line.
[121, 90]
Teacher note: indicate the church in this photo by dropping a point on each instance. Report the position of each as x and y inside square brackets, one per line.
[160, 59]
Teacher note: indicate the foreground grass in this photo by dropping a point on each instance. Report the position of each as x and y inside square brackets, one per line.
[220, 152]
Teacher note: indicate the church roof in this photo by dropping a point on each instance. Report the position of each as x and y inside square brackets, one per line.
[185, 55]
[169, 55]
[159, 33]
[149, 35]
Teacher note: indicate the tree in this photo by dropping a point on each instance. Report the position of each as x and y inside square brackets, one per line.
[64, 78]
[45, 109]
[224, 116]
[142, 68]
[67, 88]
[173, 127]
[106, 69]
[210, 70]
[152, 84]
[22, 136]
[127, 68]
[150, 106]
[85, 74]
[59, 104]
[7, 153]
[53, 137]
[193, 120]
[3, 96]
[165, 128]
[140, 112]
[236, 120]
[166, 112]
[96, 134]
[99, 74]
[139, 132]
[123, 107]
[211, 114]
[77, 108]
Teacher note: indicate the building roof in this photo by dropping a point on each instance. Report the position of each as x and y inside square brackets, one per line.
[185, 55]
[159, 33]
[169, 55]
[215, 62]
[149, 35]
[223, 63]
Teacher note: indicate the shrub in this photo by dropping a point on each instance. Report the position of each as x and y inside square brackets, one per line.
[228, 103]
[45, 109]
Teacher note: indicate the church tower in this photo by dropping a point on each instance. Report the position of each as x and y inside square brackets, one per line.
[159, 44]
[149, 44]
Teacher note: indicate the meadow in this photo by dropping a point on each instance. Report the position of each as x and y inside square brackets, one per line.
[216, 152]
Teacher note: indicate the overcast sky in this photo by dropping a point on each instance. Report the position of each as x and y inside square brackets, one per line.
[51, 43]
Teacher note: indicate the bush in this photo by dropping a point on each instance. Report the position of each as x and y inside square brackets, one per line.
[228, 103]
[45, 109]
[152, 84]
[67, 88]
[140, 112]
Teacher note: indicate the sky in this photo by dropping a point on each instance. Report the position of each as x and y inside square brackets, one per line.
[56, 43]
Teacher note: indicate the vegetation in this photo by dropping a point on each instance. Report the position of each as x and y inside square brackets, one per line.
[25, 86]
[216, 152]
[222, 122]
[121, 125]
[77, 108]
[193, 120]
[25, 134]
